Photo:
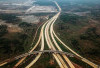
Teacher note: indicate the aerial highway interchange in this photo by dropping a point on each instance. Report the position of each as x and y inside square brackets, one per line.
[47, 33]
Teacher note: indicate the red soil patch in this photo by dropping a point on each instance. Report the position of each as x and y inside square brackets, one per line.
[77, 66]
[51, 62]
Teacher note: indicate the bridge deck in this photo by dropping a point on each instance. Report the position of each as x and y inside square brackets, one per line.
[45, 51]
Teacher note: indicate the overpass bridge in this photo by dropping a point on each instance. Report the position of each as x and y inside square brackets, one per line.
[45, 51]
[34, 53]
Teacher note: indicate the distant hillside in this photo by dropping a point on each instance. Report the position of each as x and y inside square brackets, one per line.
[80, 1]
[13, 1]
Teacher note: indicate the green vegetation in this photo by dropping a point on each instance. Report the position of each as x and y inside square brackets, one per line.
[9, 18]
[71, 18]
[15, 43]
[95, 15]
[9, 47]
[24, 24]
[46, 61]
[45, 3]
[90, 34]
[3, 30]
[75, 31]
[28, 28]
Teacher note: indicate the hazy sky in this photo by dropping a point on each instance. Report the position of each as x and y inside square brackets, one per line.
[96, 1]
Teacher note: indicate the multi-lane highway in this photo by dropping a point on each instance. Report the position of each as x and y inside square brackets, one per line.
[50, 39]
[47, 33]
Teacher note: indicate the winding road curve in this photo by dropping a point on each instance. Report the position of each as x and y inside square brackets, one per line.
[82, 58]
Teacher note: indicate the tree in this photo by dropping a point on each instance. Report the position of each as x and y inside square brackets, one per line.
[9, 18]
[3, 30]
[74, 42]
[24, 24]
